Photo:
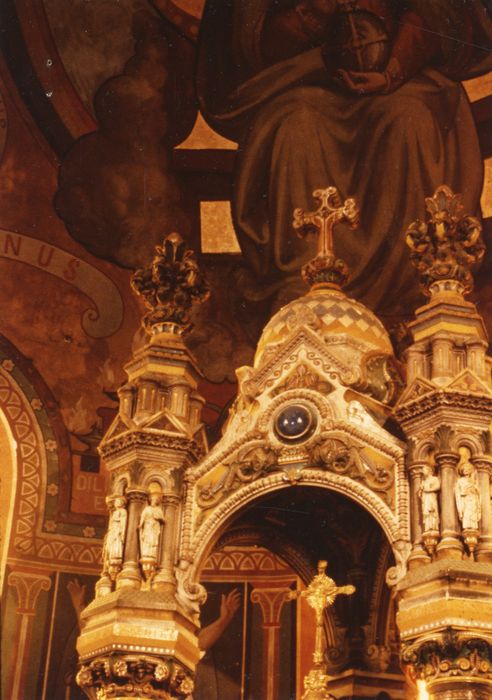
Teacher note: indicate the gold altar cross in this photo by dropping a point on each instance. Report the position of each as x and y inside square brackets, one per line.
[320, 594]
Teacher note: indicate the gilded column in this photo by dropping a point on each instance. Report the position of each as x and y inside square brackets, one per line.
[179, 399]
[418, 555]
[450, 546]
[483, 466]
[130, 574]
[416, 361]
[165, 579]
[442, 359]
[147, 391]
[476, 353]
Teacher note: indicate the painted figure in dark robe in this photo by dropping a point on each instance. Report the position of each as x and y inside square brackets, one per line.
[364, 95]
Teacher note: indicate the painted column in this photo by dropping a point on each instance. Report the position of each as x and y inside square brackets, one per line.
[271, 601]
[28, 585]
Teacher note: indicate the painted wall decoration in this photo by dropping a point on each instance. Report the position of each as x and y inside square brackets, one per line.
[104, 149]
[99, 322]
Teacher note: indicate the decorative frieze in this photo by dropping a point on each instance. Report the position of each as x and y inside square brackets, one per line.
[134, 676]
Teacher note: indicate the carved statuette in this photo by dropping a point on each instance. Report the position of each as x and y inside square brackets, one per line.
[428, 493]
[114, 541]
[326, 268]
[468, 501]
[446, 246]
[320, 594]
[170, 286]
[149, 528]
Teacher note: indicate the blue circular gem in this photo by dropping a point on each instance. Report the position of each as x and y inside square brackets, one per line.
[293, 422]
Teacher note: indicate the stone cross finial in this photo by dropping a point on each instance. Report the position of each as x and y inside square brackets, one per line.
[444, 248]
[325, 268]
[320, 594]
[169, 286]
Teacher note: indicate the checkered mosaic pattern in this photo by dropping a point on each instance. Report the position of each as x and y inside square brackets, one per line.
[336, 313]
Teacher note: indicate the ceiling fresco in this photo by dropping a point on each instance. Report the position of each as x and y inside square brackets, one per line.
[109, 87]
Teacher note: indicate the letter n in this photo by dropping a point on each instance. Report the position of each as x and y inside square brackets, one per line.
[15, 245]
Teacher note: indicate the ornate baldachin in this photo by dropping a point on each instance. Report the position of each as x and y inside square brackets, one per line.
[131, 676]
[169, 286]
[448, 244]
[326, 268]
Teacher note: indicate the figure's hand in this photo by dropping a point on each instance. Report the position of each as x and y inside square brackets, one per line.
[229, 605]
[363, 83]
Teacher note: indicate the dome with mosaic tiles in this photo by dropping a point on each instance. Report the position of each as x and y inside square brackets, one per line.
[327, 312]
[349, 329]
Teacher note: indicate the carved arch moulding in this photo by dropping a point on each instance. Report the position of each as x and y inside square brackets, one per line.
[198, 541]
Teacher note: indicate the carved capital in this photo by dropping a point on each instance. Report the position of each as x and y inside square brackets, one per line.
[119, 676]
[455, 658]
[447, 459]
[136, 495]
[483, 463]
[415, 469]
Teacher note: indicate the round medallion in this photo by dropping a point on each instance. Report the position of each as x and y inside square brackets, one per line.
[294, 422]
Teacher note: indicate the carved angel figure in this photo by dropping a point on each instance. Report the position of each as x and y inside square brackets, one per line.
[151, 522]
[428, 491]
[467, 495]
[115, 537]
